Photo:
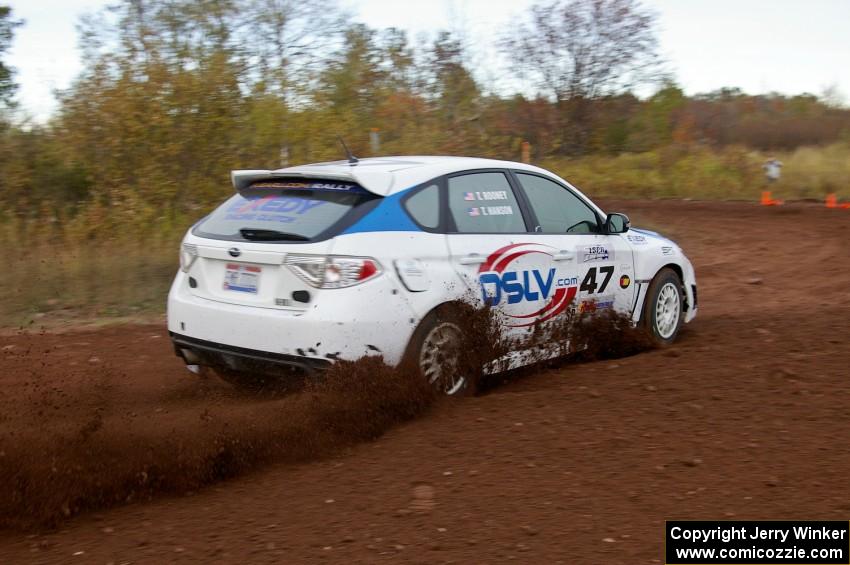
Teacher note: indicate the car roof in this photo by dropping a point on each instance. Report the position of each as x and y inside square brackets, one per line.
[383, 175]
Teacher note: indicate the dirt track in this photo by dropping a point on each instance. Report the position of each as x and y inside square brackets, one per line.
[746, 417]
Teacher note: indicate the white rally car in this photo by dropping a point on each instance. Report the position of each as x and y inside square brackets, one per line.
[316, 263]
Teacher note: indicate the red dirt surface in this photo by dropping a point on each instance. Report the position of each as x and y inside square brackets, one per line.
[746, 417]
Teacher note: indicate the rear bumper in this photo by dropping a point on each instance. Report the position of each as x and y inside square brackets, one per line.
[218, 355]
[347, 324]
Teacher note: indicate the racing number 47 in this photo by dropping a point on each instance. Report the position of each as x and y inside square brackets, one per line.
[589, 283]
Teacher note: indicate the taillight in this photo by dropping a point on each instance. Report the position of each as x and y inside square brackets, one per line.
[188, 254]
[333, 271]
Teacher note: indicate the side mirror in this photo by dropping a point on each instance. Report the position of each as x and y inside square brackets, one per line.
[617, 223]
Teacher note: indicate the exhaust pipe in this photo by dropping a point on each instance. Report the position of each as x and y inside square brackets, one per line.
[190, 357]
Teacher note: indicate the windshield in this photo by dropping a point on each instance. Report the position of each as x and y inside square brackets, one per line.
[275, 214]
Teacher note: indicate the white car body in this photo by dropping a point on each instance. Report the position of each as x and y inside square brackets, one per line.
[235, 298]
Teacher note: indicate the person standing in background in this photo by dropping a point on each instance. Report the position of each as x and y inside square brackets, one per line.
[772, 170]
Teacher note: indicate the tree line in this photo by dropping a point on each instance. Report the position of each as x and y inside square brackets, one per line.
[176, 93]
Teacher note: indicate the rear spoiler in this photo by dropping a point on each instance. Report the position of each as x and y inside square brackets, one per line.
[376, 182]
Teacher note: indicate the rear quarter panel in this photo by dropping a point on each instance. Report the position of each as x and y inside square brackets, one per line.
[413, 260]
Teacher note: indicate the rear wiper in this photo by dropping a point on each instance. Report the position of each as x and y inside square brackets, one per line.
[270, 235]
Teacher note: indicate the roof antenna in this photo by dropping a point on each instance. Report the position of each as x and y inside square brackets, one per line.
[352, 160]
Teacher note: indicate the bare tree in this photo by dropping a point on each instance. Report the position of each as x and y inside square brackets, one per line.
[579, 50]
[288, 40]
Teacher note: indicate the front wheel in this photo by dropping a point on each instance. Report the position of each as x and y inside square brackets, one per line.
[435, 350]
[663, 311]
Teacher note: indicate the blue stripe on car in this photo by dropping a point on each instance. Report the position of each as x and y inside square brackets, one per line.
[389, 215]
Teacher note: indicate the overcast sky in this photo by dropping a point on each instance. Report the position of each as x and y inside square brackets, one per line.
[789, 46]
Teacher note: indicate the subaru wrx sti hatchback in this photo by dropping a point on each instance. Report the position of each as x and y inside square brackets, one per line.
[308, 265]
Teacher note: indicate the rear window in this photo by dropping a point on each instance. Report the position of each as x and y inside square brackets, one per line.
[284, 211]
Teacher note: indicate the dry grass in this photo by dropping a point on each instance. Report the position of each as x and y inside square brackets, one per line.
[704, 173]
[812, 172]
[98, 280]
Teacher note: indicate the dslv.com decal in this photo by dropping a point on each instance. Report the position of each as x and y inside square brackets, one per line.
[504, 279]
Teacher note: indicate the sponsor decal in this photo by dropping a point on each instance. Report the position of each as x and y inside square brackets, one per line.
[667, 250]
[602, 303]
[504, 280]
[625, 281]
[637, 239]
[289, 185]
[590, 253]
[275, 208]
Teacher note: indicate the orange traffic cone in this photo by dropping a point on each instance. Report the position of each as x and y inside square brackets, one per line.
[767, 199]
[831, 200]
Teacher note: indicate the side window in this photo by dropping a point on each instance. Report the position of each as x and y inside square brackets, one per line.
[424, 206]
[558, 210]
[484, 203]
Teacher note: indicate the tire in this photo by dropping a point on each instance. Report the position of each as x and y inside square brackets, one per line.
[663, 310]
[434, 354]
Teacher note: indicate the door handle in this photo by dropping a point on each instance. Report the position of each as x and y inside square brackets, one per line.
[563, 255]
[472, 259]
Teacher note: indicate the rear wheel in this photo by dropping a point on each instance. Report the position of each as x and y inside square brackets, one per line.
[435, 350]
[663, 311]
